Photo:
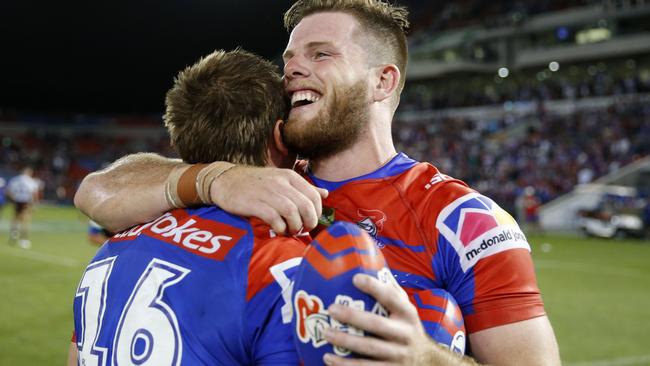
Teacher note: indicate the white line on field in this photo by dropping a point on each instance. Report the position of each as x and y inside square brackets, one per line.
[589, 268]
[621, 361]
[41, 257]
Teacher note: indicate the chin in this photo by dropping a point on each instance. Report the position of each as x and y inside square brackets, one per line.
[300, 118]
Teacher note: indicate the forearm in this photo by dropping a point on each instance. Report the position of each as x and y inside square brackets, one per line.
[440, 355]
[133, 190]
[128, 192]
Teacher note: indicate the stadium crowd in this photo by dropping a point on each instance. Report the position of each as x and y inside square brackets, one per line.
[555, 152]
[60, 162]
[499, 156]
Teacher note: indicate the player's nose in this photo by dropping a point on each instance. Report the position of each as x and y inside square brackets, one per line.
[295, 68]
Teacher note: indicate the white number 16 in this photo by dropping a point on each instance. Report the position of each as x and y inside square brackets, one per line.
[147, 332]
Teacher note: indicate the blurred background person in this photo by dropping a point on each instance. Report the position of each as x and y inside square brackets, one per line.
[529, 205]
[3, 199]
[97, 235]
[22, 190]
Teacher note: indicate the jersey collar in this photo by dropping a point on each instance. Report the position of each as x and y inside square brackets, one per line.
[397, 165]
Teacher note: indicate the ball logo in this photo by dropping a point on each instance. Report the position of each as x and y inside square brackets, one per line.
[311, 318]
[458, 343]
[356, 304]
[386, 276]
[378, 309]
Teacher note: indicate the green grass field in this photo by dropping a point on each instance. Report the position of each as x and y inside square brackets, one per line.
[597, 293]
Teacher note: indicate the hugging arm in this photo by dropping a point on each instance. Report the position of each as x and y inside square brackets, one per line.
[131, 191]
[128, 192]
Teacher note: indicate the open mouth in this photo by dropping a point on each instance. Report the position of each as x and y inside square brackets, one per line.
[304, 97]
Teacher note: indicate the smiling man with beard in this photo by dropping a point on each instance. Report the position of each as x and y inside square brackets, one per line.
[344, 71]
[334, 128]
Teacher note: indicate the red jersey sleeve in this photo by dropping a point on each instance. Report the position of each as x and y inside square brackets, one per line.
[483, 259]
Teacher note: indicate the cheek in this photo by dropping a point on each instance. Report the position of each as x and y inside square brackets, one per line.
[331, 75]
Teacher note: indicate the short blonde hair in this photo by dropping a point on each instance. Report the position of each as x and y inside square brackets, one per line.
[386, 23]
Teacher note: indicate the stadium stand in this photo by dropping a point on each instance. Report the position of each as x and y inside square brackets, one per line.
[553, 153]
[63, 154]
[492, 99]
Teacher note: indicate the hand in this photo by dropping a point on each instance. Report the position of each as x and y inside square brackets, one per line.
[280, 197]
[400, 338]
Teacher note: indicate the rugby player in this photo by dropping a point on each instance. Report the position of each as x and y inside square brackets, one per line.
[3, 198]
[22, 191]
[199, 286]
[344, 71]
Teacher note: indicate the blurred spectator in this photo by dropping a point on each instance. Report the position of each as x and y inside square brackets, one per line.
[2, 195]
[528, 204]
[97, 235]
[646, 217]
[22, 190]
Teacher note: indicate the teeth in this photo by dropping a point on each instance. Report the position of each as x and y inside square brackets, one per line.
[304, 95]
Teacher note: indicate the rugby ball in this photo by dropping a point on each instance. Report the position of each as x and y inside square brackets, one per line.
[324, 277]
[441, 317]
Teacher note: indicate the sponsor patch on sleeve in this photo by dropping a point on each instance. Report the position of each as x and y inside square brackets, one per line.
[477, 228]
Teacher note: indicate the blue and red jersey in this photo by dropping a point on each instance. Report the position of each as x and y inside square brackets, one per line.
[196, 286]
[436, 232]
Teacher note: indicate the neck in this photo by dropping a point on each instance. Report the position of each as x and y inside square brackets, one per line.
[374, 149]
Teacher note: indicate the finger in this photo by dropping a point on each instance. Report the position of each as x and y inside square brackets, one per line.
[308, 210]
[313, 195]
[323, 192]
[334, 360]
[386, 328]
[269, 215]
[285, 207]
[393, 298]
[376, 348]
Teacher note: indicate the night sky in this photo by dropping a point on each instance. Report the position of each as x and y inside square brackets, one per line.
[118, 56]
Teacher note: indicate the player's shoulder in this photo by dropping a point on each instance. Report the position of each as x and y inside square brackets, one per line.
[426, 185]
[477, 227]
[208, 232]
[13, 181]
[272, 245]
[272, 256]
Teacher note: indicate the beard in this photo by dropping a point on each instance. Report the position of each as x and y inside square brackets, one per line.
[336, 127]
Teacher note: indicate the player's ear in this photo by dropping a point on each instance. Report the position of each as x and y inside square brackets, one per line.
[277, 138]
[278, 154]
[386, 82]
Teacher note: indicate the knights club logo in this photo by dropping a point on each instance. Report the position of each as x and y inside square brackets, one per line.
[372, 221]
[312, 319]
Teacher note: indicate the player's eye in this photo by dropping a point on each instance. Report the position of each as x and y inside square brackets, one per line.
[318, 55]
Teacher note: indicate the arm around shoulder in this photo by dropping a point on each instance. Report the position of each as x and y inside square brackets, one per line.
[128, 192]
